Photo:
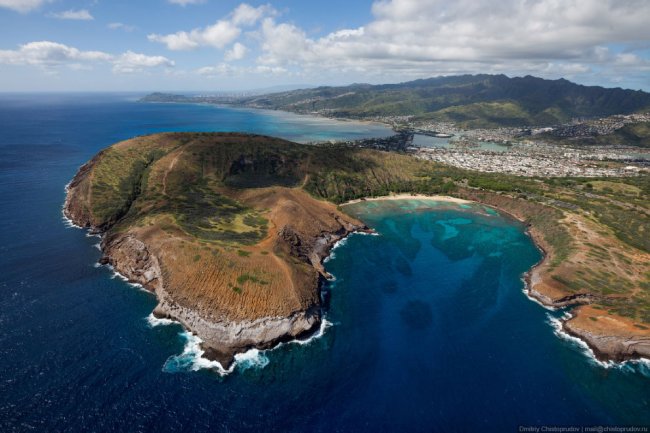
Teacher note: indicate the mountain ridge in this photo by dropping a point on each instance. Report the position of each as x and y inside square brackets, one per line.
[472, 101]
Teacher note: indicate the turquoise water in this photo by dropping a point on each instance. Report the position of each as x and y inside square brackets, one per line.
[429, 141]
[430, 330]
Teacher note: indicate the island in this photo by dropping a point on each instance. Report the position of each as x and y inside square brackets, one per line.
[230, 230]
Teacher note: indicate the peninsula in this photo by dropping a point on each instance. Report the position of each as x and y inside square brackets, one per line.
[229, 231]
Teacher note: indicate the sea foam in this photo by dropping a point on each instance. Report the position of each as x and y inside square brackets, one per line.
[556, 324]
[154, 321]
[526, 291]
[191, 359]
[641, 365]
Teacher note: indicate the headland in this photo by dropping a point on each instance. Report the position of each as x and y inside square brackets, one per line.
[229, 231]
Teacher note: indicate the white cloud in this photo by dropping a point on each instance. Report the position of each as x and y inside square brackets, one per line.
[220, 69]
[22, 6]
[72, 14]
[248, 15]
[186, 2]
[121, 26]
[237, 52]
[430, 37]
[176, 42]
[51, 55]
[130, 62]
[224, 69]
[218, 35]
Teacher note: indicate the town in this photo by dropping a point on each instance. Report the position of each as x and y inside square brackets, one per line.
[525, 151]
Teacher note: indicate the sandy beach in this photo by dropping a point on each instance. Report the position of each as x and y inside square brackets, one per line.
[444, 198]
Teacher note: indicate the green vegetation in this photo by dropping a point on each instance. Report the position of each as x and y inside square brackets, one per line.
[336, 173]
[117, 180]
[469, 100]
[632, 134]
[483, 114]
[138, 184]
[236, 289]
[243, 278]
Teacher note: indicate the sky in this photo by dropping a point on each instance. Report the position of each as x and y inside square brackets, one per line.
[223, 45]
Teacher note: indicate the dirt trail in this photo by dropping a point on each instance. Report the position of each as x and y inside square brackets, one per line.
[169, 169]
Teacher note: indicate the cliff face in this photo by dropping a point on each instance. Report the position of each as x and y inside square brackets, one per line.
[239, 267]
[77, 203]
[611, 338]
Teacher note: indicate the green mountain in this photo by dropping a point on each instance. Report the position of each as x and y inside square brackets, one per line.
[468, 100]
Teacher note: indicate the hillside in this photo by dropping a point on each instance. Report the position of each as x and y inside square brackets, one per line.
[633, 134]
[229, 231]
[472, 101]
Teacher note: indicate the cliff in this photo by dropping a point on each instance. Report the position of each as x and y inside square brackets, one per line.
[239, 267]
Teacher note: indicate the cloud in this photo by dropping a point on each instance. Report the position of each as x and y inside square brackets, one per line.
[130, 62]
[248, 15]
[237, 52]
[121, 26]
[224, 69]
[218, 35]
[186, 2]
[409, 38]
[52, 55]
[81, 14]
[49, 54]
[22, 6]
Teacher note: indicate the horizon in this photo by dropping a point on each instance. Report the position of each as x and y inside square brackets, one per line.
[231, 46]
[261, 90]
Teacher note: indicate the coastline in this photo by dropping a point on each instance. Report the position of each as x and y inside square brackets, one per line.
[221, 340]
[406, 196]
[276, 112]
[210, 289]
[606, 350]
[223, 363]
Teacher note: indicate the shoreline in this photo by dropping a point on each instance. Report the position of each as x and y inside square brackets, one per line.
[407, 196]
[274, 112]
[225, 335]
[156, 318]
[531, 278]
[239, 337]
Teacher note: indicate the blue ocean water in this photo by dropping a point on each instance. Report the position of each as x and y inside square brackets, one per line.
[430, 328]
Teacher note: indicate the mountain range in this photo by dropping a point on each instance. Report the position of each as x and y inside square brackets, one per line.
[471, 101]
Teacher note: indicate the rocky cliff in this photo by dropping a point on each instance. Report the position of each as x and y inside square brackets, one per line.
[239, 267]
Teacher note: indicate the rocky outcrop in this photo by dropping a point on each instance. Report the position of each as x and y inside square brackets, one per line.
[77, 206]
[610, 346]
[222, 338]
[131, 258]
[314, 250]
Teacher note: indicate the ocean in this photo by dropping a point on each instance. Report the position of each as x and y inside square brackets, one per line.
[428, 327]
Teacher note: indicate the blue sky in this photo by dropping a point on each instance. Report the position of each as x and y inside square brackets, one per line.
[61, 45]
